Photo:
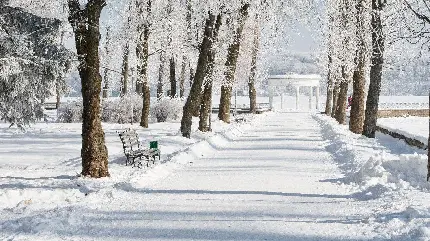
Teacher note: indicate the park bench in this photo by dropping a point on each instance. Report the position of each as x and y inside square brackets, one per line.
[134, 152]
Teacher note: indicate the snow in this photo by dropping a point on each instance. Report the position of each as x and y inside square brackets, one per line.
[412, 126]
[275, 176]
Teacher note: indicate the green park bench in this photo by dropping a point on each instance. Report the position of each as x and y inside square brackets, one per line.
[135, 153]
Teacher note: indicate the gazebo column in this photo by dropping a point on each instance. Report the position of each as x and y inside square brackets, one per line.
[317, 95]
[271, 97]
[310, 97]
[297, 96]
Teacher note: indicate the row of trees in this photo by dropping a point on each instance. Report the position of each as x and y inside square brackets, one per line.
[358, 33]
[209, 42]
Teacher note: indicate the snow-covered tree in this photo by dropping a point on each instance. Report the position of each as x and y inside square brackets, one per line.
[33, 64]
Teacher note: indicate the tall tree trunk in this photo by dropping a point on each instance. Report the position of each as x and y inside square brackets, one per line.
[105, 93]
[251, 81]
[342, 98]
[182, 78]
[160, 83]
[192, 101]
[142, 62]
[428, 149]
[124, 70]
[206, 98]
[94, 152]
[335, 97]
[378, 41]
[330, 87]
[356, 119]
[231, 63]
[330, 77]
[172, 78]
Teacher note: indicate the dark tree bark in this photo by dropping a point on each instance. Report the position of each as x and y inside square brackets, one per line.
[105, 93]
[160, 83]
[251, 81]
[231, 63]
[330, 91]
[206, 98]
[356, 120]
[142, 62]
[335, 98]
[94, 152]
[193, 102]
[342, 98]
[182, 78]
[330, 78]
[124, 70]
[172, 78]
[378, 41]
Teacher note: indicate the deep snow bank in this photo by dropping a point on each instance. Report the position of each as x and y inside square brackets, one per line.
[367, 163]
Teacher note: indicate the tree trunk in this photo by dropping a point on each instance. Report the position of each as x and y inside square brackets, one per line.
[205, 108]
[142, 55]
[342, 98]
[231, 63]
[144, 121]
[251, 82]
[330, 77]
[224, 105]
[428, 149]
[377, 60]
[206, 97]
[124, 71]
[191, 77]
[94, 152]
[182, 79]
[335, 98]
[160, 84]
[105, 93]
[330, 87]
[356, 119]
[192, 102]
[172, 78]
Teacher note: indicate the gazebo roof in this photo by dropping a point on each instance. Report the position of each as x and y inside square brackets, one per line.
[294, 79]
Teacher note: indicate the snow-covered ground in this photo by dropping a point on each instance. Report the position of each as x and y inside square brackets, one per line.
[276, 176]
[413, 127]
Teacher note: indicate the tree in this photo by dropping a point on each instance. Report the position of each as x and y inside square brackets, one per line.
[252, 76]
[193, 102]
[230, 64]
[142, 53]
[85, 23]
[33, 64]
[377, 60]
[421, 11]
[356, 120]
[206, 100]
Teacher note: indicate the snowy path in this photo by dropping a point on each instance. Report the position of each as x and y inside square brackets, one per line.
[276, 181]
[272, 183]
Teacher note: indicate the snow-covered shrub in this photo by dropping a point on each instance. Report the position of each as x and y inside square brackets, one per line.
[70, 112]
[121, 110]
[167, 109]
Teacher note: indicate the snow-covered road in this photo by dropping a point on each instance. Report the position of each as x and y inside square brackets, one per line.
[275, 182]
[271, 180]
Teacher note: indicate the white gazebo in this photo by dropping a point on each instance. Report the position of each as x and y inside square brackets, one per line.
[296, 80]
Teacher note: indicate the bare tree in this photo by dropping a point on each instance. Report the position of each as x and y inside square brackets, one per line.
[356, 120]
[193, 102]
[206, 100]
[252, 76]
[85, 23]
[143, 31]
[377, 61]
[231, 63]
